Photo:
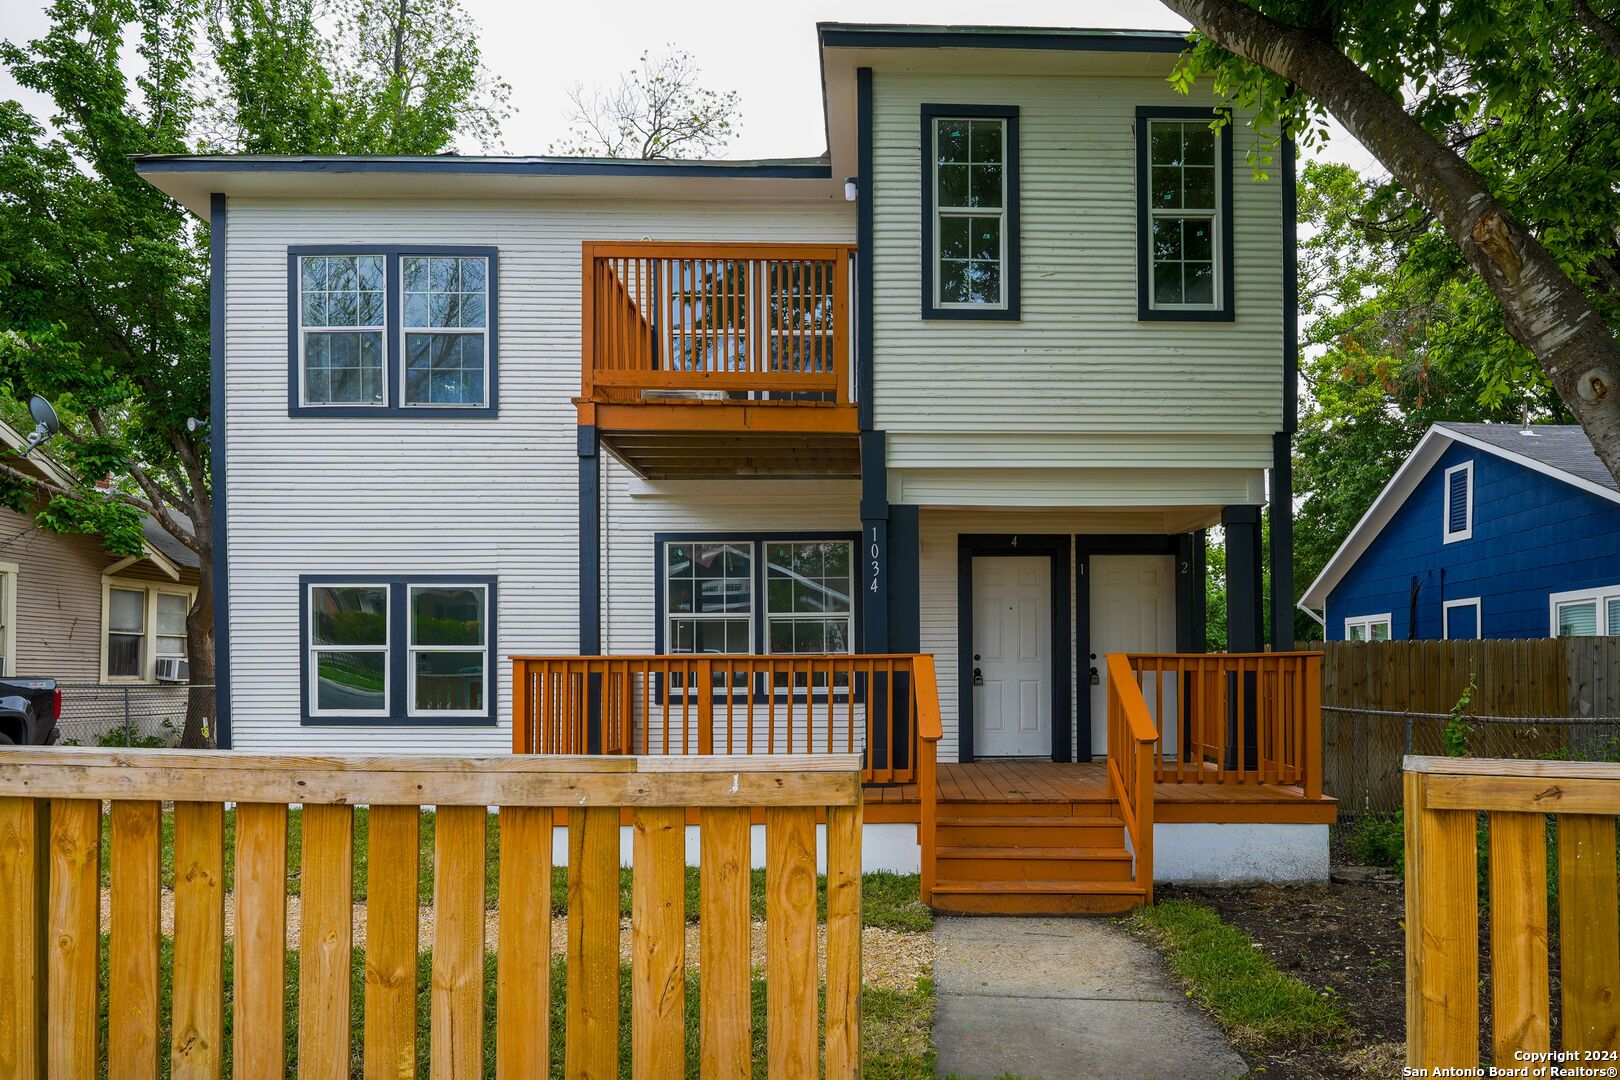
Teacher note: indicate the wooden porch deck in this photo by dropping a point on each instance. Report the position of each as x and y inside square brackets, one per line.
[1058, 789]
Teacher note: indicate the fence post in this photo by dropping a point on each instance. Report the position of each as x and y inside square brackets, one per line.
[1442, 933]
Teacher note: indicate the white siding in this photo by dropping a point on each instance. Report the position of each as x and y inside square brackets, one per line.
[1078, 367]
[491, 496]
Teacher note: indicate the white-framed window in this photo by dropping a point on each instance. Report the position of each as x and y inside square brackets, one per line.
[448, 650]
[809, 596]
[1458, 511]
[1184, 226]
[444, 313]
[348, 639]
[783, 596]
[1461, 620]
[709, 596]
[1586, 612]
[141, 623]
[342, 313]
[1367, 627]
[8, 618]
[971, 200]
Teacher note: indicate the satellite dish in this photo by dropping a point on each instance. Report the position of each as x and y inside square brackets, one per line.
[44, 415]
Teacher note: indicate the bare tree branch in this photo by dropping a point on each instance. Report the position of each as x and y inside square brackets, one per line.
[657, 110]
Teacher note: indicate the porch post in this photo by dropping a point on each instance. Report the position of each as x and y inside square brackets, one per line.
[1244, 585]
[1282, 543]
[873, 581]
[590, 575]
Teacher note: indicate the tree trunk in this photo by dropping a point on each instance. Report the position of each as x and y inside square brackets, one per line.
[202, 711]
[1546, 312]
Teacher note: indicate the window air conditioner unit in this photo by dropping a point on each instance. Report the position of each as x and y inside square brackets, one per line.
[173, 669]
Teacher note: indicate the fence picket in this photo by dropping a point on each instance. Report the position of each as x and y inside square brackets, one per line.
[1589, 931]
[457, 1039]
[658, 945]
[723, 971]
[197, 1046]
[523, 977]
[391, 935]
[790, 941]
[592, 1035]
[24, 880]
[259, 974]
[132, 966]
[75, 883]
[1520, 998]
[326, 941]
[843, 1040]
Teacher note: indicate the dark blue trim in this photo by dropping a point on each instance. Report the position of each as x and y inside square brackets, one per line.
[218, 536]
[1010, 275]
[398, 651]
[905, 589]
[872, 551]
[1056, 548]
[1244, 602]
[1290, 227]
[393, 401]
[590, 543]
[1282, 542]
[843, 36]
[1144, 266]
[784, 169]
[1084, 548]
[864, 210]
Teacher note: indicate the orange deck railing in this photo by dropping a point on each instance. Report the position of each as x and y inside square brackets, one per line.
[1234, 718]
[748, 321]
[1133, 743]
[717, 704]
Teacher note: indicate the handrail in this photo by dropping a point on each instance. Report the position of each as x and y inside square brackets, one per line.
[1132, 751]
[748, 320]
[711, 703]
[929, 731]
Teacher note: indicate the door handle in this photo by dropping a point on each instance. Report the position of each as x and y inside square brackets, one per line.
[1096, 679]
[978, 677]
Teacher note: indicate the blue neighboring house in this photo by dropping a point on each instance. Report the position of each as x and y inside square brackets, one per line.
[1487, 530]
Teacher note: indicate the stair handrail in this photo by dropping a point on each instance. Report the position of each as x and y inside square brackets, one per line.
[1132, 742]
[929, 731]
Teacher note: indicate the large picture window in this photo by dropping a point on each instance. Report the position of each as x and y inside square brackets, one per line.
[970, 211]
[378, 330]
[408, 650]
[809, 605]
[1184, 179]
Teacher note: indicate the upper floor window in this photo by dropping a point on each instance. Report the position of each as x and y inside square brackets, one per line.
[1184, 215]
[384, 331]
[970, 211]
[1458, 520]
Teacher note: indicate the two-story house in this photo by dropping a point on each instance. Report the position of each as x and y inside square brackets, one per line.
[569, 455]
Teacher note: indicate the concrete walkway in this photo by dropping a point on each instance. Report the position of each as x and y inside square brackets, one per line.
[1066, 999]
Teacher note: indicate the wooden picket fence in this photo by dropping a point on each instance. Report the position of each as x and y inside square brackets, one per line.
[1444, 797]
[50, 833]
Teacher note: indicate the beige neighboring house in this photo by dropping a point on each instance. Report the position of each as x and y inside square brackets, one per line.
[73, 611]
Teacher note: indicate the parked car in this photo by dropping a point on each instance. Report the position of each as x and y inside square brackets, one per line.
[29, 709]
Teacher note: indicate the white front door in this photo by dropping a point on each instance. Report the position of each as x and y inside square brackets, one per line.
[1133, 610]
[1012, 656]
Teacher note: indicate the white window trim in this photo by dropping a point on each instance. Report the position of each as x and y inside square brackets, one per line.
[312, 674]
[381, 329]
[940, 212]
[753, 603]
[481, 650]
[9, 572]
[1218, 293]
[149, 634]
[1445, 618]
[1467, 531]
[1368, 622]
[1599, 596]
[404, 329]
[794, 616]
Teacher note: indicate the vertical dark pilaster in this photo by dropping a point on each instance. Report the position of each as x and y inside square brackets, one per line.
[863, 247]
[217, 531]
[590, 571]
[874, 550]
[1243, 578]
[1282, 543]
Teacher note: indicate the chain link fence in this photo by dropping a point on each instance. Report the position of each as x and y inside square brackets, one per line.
[134, 715]
[1363, 748]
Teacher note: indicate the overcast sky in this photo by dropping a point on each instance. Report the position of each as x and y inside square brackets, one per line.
[763, 49]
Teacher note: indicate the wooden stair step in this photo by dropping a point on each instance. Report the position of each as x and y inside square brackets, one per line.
[1031, 833]
[1020, 854]
[1036, 821]
[1050, 864]
[1000, 897]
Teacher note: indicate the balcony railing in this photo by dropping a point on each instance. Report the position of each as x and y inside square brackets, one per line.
[716, 322]
[715, 704]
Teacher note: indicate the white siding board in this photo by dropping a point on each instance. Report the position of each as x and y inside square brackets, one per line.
[479, 496]
[1078, 361]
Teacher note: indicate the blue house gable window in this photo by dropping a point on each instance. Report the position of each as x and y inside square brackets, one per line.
[391, 331]
[1459, 502]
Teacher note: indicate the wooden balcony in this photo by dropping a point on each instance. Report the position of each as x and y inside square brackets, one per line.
[720, 359]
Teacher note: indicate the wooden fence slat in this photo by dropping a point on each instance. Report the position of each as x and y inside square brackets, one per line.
[394, 839]
[197, 1042]
[1520, 997]
[326, 941]
[658, 945]
[790, 942]
[523, 977]
[132, 966]
[259, 975]
[75, 902]
[1588, 932]
[24, 900]
[457, 1040]
[1442, 952]
[723, 965]
[592, 1051]
[843, 1041]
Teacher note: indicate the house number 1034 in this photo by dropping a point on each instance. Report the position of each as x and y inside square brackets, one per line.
[875, 551]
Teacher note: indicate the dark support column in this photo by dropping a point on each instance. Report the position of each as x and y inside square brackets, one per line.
[590, 573]
[873, 581]
[1282, 543]
[1191, 603]
[1243, 619]
[905, 608]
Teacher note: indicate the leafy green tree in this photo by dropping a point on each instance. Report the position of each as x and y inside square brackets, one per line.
[1499, 123]
[658, 110]
[104, 280]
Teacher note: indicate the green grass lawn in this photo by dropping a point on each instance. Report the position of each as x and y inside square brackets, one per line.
[1256, 1004]
[896, 1035]
[890, 901]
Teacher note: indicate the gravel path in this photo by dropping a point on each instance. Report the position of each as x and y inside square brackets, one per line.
[889, 959]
